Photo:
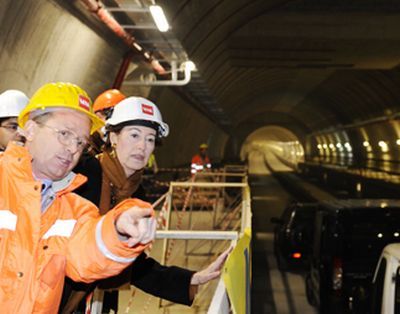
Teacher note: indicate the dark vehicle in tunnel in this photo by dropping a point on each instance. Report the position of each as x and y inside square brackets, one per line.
[293, 236]
[348, 240]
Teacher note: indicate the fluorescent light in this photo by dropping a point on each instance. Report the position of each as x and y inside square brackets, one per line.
[159, 18]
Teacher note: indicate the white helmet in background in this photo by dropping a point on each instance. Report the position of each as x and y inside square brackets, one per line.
[12, 102]
[138, 108]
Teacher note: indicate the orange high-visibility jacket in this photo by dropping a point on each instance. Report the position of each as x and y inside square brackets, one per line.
[197, 159]
[200, 164]
[38, 249]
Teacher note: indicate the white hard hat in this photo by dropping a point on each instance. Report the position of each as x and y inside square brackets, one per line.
[138, 108]
[12, 102]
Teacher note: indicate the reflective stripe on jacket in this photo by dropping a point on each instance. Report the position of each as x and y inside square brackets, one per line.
[199, 163]
[37, 250]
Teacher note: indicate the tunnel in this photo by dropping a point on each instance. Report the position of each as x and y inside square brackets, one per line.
[296, 102]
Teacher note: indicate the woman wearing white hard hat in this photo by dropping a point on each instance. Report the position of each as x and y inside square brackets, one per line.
[11, 104]
[134, 128]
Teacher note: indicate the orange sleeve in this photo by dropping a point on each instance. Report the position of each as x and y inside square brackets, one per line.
[94, 249]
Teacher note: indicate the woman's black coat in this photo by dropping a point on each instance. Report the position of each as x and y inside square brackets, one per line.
[167, 282]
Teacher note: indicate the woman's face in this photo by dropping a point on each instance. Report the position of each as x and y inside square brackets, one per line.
[134, 145]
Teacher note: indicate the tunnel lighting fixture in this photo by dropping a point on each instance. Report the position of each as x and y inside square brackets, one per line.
[331, 146]
[137, 46]
[319, 146]
[339, 145]
[396, 234]
[348, 146]
[365, 143]
[159, 18]
[384, 146]
[380, 235]
[398, 141]
[358, 187]
[325, 146]
[384, 205]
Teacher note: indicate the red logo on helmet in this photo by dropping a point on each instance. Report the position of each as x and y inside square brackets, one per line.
[147, 109]
[84, 102]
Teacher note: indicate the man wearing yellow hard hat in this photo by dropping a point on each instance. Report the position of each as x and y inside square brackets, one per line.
[201, 161]
[46, 230]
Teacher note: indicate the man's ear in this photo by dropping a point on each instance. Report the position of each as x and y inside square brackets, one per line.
[29, 130]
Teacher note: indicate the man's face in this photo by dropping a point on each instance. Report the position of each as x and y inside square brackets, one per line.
[203, 152]
[8, 132]
[55, 143]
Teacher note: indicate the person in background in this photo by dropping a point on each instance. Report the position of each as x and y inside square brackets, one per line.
[103, 107]
[134, 128]
[46, 230]
[11, 104]
[201, 161]
[106, 101]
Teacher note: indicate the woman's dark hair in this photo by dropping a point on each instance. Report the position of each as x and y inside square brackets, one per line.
[118, 128]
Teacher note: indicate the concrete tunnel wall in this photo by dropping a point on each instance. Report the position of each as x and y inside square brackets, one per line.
[43, 42]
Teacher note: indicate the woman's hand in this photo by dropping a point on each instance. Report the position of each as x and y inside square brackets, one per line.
[212, 271]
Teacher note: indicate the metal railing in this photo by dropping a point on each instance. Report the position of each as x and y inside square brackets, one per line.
[227, 203]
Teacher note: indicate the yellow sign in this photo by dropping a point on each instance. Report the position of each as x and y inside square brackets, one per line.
[237, 275]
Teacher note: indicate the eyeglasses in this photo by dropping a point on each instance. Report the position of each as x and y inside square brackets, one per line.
[66, 137]
[12, 127]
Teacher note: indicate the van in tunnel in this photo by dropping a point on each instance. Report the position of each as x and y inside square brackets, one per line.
[386, 282]
[348, 240]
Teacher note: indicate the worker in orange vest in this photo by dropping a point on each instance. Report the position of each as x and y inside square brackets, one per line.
[46, 230]
[201, 161]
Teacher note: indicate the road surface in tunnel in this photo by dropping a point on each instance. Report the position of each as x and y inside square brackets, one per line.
[272, 291]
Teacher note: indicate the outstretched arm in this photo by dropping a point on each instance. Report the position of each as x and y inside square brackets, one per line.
[212, 271]
[137, 225]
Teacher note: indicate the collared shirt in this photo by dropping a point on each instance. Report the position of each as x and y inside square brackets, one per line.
[48, 194]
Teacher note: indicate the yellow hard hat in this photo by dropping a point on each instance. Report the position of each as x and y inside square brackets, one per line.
[203, 146]
[61, 95]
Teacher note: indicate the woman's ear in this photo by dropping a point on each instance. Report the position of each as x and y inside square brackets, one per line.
[113, 138]
[29, 130]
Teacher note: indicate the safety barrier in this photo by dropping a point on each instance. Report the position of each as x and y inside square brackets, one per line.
[229, 205]
[222, 198]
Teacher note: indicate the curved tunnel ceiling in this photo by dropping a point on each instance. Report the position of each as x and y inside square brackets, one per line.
[303, 65]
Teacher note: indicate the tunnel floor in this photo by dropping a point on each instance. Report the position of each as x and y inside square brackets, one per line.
[273, 292]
